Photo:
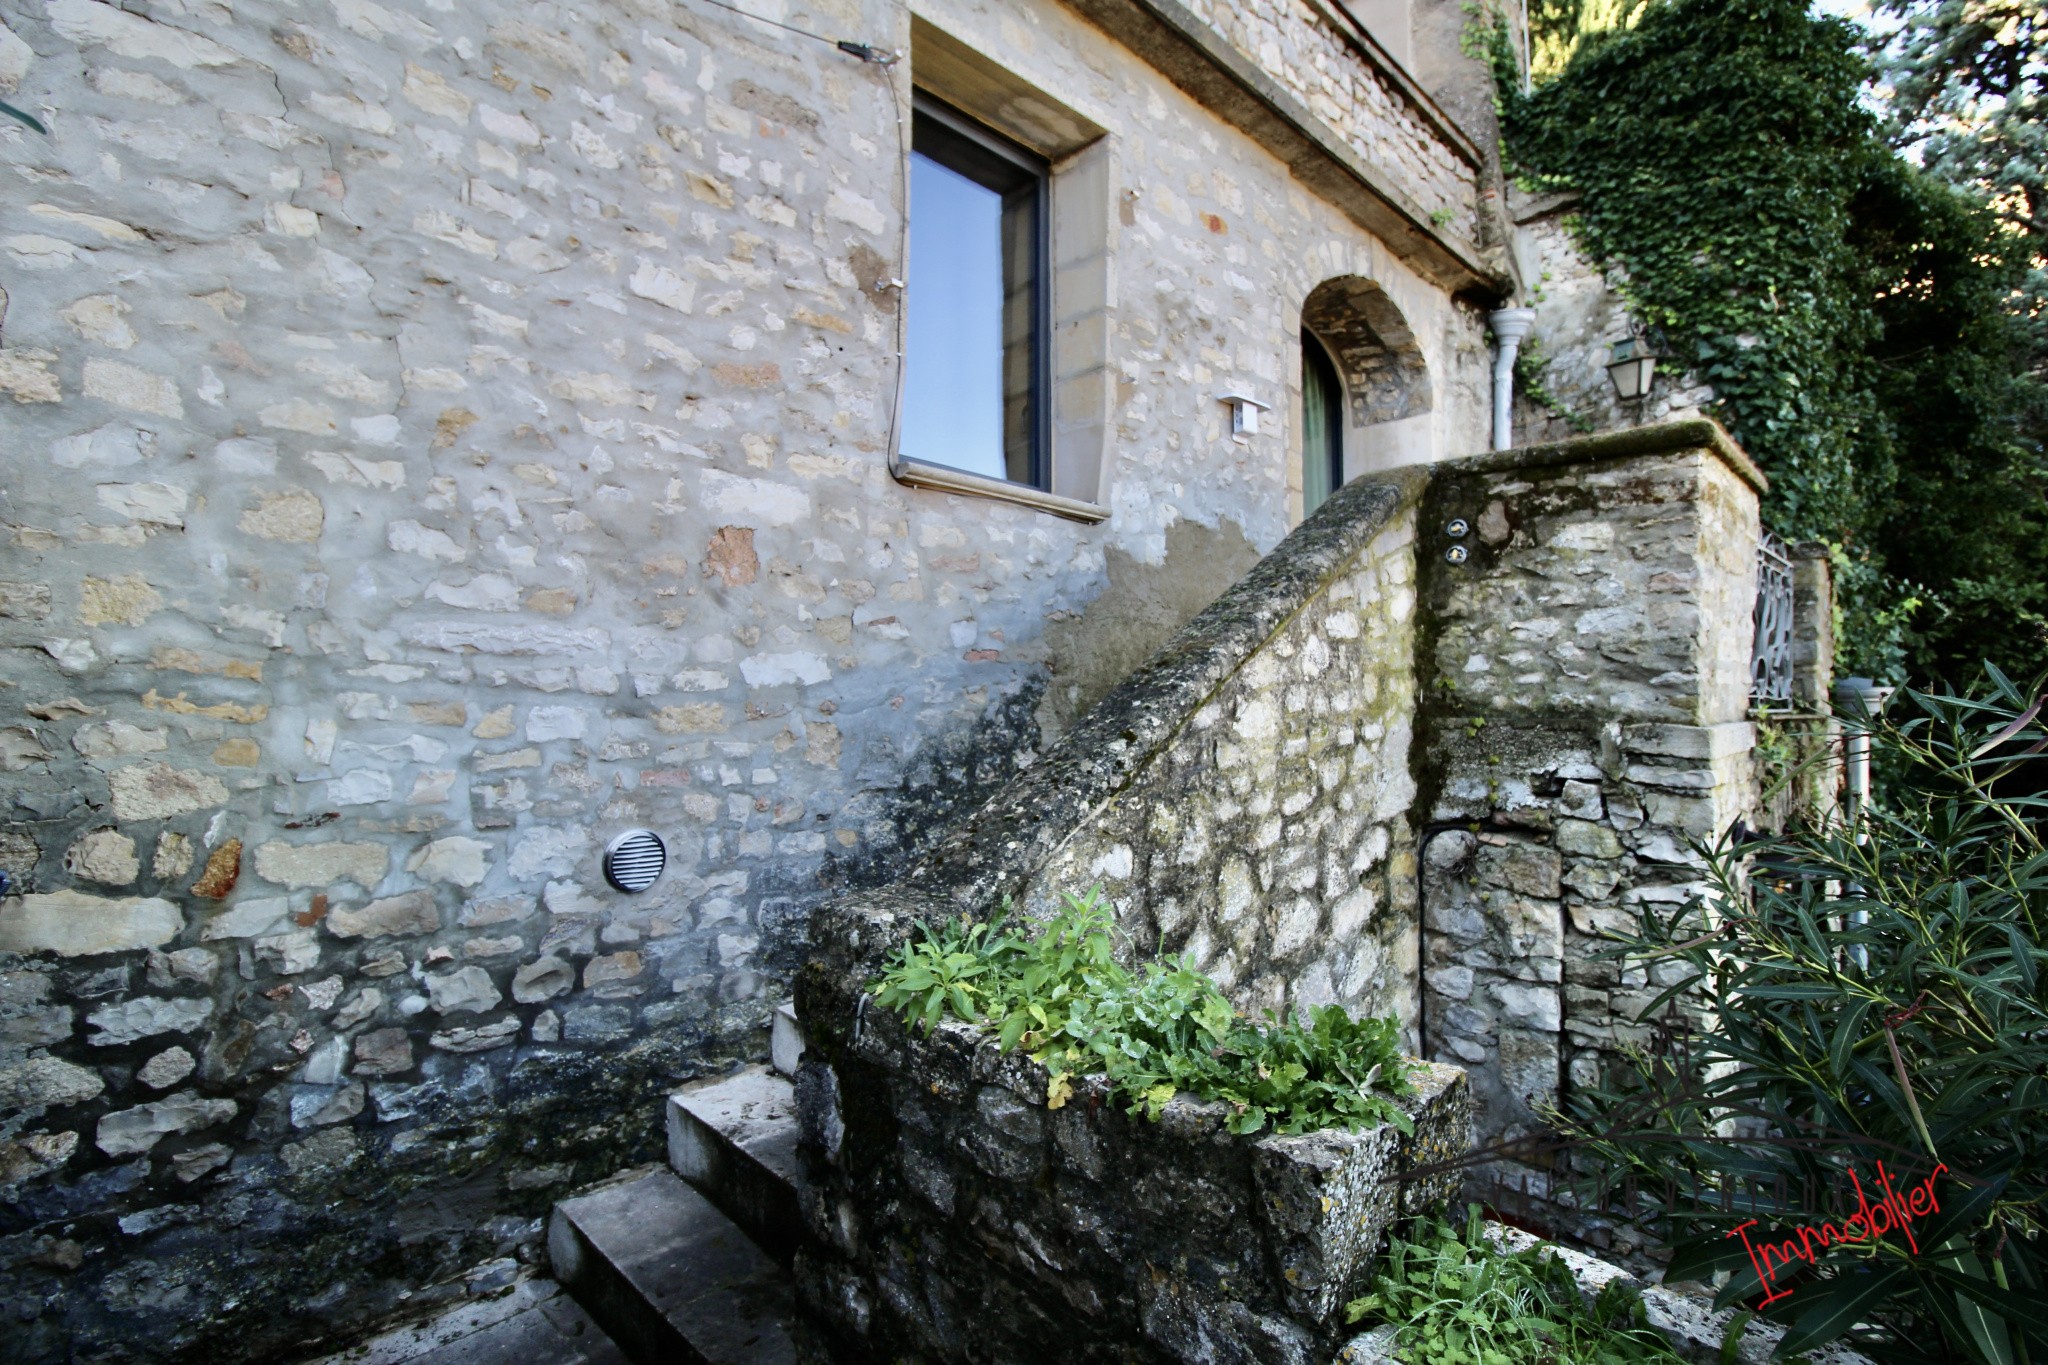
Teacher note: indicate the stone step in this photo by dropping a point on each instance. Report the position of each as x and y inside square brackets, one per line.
[734, 1139]
[532, 1322]
[671, 1279]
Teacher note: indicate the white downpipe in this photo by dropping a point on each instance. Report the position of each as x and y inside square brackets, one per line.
[1509, 325]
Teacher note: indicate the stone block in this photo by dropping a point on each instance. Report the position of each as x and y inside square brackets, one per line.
[166, 1069]
[106, 856]
[542, 980]
[73, 924]
[1584, 839]
[482, 1038]
[322, 864]
[1581, 801]
[458, 860]
[157, 791]
[412, 913]
[1530, 869]
[40, 1082]
[145, 1017]
[131, 1131]
[289, 953]
[1326, 1201]
[1706, 743]
[383, 1052]
[466, 990]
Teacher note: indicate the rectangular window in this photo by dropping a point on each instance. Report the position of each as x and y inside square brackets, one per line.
[974, 390]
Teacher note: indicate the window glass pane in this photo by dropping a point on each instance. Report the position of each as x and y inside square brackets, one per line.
[953, 389]
[974, 385]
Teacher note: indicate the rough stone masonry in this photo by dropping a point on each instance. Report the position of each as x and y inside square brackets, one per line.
[1575, 623]
[439, 437]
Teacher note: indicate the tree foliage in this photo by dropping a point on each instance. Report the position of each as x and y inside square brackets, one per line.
[1861, 319]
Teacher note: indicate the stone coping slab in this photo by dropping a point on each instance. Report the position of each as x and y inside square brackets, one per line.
[1686, 433]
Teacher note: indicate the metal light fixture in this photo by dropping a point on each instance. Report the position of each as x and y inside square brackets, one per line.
[1244, 413]
[1630, 365]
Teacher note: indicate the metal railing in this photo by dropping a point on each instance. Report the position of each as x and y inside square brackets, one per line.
[1770, 669]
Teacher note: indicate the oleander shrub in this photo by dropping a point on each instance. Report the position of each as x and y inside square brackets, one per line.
[1849, 996]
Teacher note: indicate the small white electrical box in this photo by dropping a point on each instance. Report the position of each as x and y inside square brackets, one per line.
[1244, 413]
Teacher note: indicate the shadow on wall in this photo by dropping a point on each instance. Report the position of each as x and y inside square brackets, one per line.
[1388, 400]
[1140, 610]
[1385, 376]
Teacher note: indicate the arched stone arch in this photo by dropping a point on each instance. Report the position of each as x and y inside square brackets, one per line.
[1385, 376]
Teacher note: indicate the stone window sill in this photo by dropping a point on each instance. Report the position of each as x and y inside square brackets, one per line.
[918, 474]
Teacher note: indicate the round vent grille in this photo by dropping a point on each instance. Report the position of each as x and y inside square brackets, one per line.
[634, 860]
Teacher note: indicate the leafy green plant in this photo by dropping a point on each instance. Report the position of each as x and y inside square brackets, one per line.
[1060, 995]
[1531, 363]
[1850, 996]
[1458, 1299]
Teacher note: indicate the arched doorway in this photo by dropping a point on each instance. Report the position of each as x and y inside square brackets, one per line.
[1322, 424]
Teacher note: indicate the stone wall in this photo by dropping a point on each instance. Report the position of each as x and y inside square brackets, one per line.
[956, 1216]
[1568, 684]
[1580, 312]
[1586, 721]
[446, 436]
[1270, 839]
[1244, 797]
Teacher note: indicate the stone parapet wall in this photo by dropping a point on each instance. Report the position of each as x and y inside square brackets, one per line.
[1587, 728]
[954, 1215]
[1253, 776]
[1242, 797]
[1319, 55]
[1269, 840]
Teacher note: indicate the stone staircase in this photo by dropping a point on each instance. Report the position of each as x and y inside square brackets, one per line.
[690, 1266]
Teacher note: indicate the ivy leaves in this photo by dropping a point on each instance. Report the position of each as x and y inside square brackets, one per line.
[1853, 314]
[1060, 995]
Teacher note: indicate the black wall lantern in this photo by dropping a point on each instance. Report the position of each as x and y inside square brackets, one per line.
[1630, 365]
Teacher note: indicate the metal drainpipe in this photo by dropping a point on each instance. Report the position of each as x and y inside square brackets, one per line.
[1864, 698]
[1509, 325]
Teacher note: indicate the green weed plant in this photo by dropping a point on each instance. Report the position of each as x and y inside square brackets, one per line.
[1058, 993]
[1458, 1299]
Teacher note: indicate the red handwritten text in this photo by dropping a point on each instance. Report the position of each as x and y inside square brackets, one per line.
[1894, 1212]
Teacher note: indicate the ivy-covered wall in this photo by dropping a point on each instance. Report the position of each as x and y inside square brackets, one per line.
[1848, 311]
